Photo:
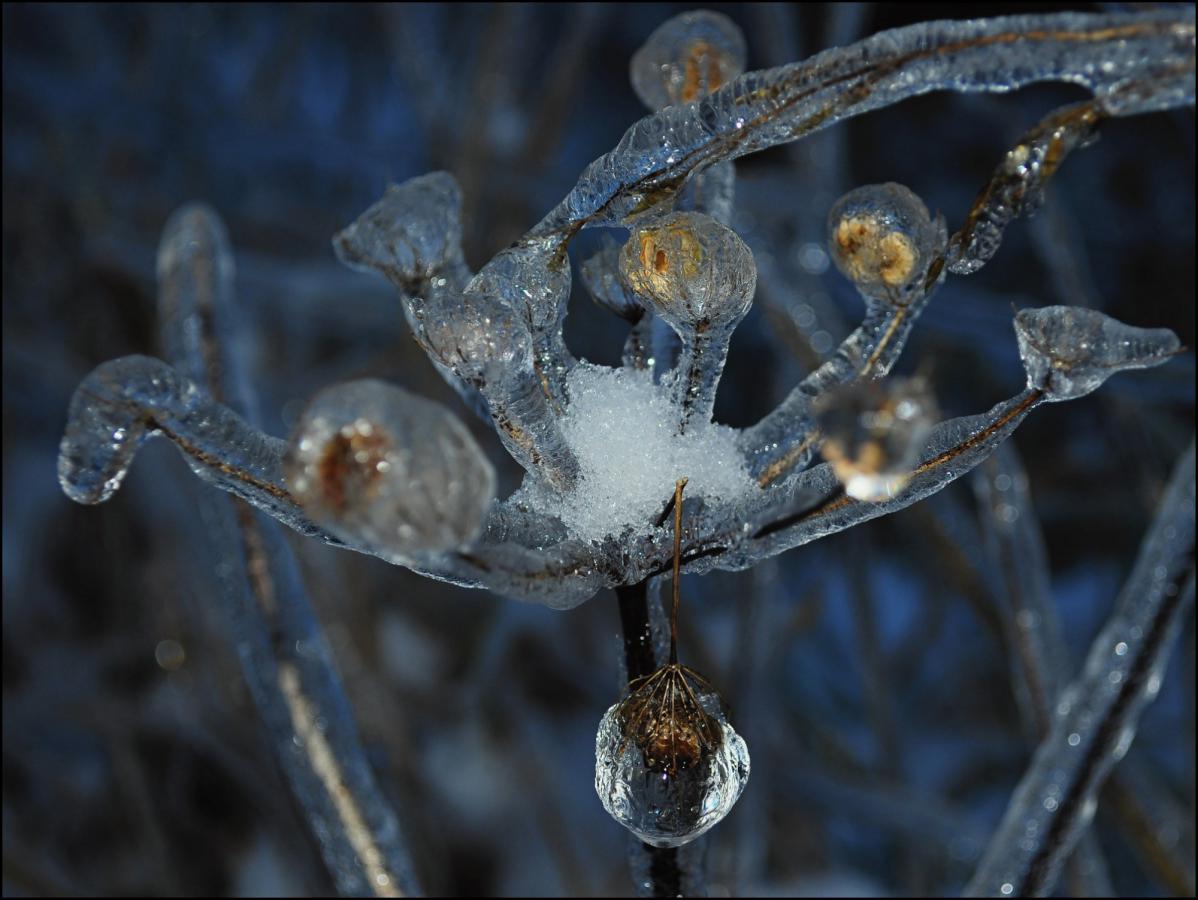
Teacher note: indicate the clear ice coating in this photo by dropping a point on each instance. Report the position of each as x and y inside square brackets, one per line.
[1069, 351]
[686, 58]
[668, 766]
[884, 241]
[699, 278]
[533, 281]
[384, 468]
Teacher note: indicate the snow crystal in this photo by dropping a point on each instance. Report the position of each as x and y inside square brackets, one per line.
[622, 429]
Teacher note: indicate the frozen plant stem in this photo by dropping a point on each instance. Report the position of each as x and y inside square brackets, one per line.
[1039, 656]
[1095, 719]
[665, 876]
[287, 664]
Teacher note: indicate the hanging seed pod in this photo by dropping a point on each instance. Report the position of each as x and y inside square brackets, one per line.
[382, 467]
[884, 241]
[686, 58]
[699, 277]
[873, 432]
[668, 766]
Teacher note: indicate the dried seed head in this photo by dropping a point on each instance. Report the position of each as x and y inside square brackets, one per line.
[382, 467]
[695, 272]
[873, 432]
[662, 716]
[883, 240]
[687, 58]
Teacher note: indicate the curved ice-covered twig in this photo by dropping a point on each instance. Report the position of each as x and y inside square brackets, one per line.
[1105, 53]
[413, 237]
[126, 401]
[1017, 186]
[285, 659]
[1095, 720]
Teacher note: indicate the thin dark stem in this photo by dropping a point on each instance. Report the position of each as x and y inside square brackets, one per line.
[681, 483]
[665, 875]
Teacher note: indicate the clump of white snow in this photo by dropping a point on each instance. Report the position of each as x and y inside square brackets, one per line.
[621, 427]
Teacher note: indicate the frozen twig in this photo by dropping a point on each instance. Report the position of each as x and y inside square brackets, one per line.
[1039, 656]
[1095, 719]
[285, 659]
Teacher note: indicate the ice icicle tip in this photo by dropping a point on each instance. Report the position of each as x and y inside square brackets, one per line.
[1068, 351]
[379, 466]
[687, 58]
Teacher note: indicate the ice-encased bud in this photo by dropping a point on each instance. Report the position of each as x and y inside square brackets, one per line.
[883, 240]
[1068, 351]
[873, 432]
[687, 58]
[378, 466]
[409, 235]
[668, 766]
[694, 271]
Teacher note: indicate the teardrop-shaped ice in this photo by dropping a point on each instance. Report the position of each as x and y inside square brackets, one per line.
[668, 766]
[1068, 351]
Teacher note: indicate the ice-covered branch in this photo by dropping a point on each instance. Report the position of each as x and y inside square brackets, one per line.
[1104, 53]
[1015, 551]
[284, 657]
[1095, 720]
[1039, 656]
[813, 504]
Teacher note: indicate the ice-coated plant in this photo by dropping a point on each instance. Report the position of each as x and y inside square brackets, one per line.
[375, 469]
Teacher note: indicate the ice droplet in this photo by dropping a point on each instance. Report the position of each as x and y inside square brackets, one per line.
[668, 766]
